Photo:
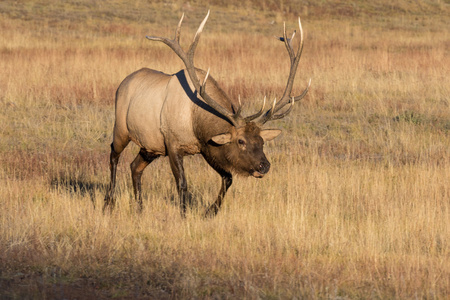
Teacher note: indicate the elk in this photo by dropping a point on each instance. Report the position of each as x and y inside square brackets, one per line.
[187, 113]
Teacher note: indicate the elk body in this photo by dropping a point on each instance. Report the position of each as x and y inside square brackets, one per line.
[188, 113]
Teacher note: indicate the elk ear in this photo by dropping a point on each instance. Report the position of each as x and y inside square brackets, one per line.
[269, 134]
[222, 139]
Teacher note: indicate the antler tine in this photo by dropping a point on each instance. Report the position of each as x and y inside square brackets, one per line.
[300, 97]
[197, 38]
[282, 115]
[206, 78]
[178, 31]
[188, 60]
[259, 113]
[270, 112]
[295, 59]
[285, 99]
[239, 109]
[288, 45]
[200, 28]
[292, 38]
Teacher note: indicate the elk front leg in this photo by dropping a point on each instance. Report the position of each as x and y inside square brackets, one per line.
[142, 160]
[176, 163]
[113, 161]
[213, 209]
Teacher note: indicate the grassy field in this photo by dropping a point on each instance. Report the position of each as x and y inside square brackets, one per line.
[357, 202]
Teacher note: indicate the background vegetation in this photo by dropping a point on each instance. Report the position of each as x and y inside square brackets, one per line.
[356, 204]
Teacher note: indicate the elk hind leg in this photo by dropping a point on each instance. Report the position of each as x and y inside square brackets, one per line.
[142, 160]
[113, 161]
[117, 146]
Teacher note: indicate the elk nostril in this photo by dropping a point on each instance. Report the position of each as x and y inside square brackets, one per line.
[264, 167]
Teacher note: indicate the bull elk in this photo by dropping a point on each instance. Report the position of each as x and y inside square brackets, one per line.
[188, 113]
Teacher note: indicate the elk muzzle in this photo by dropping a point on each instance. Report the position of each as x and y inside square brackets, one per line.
[262, 169]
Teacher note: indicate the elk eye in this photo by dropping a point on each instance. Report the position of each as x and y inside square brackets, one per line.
[241, 142]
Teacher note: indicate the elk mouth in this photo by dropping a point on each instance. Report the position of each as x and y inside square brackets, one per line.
[257, 174]
[262, 170]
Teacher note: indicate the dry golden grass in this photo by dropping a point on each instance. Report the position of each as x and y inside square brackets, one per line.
[356, 205]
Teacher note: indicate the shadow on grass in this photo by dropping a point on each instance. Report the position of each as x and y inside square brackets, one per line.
[78, 186]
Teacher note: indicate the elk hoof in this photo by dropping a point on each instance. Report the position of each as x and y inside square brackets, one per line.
[109, 205]
[211, 211]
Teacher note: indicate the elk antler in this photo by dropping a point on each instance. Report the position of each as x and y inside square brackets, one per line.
[271, 114]
[188, 59]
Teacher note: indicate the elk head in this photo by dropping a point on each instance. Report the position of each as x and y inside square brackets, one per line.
[241, 145]
[242, 148]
